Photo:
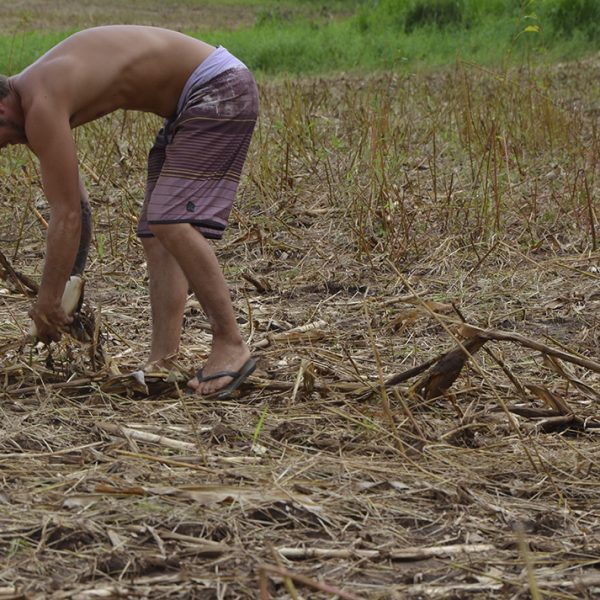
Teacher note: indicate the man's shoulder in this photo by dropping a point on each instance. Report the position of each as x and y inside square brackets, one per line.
[38, 89]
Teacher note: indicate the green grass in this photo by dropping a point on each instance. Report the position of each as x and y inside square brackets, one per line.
[19, 50]
[306, 48]
[313, 37]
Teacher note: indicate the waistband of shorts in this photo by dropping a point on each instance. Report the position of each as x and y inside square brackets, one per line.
[217, 62]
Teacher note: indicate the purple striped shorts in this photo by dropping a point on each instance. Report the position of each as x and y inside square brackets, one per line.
[195, 164]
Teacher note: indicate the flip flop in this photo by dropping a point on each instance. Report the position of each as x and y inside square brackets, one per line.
[238, 378]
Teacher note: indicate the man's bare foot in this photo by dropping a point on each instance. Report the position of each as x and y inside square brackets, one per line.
[222, 358]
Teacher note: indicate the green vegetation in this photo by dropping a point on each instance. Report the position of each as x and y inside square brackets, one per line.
[19, 50]
[400, 34]
[313, 37]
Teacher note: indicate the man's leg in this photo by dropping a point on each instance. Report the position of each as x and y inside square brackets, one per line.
[168, 293]
[199, 263]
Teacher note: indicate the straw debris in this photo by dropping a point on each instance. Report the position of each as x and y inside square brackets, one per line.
[423, 303]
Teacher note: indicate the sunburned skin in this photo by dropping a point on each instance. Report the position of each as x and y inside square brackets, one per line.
[97, 71]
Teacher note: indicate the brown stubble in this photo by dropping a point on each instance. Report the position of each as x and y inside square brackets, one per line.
[375, 214]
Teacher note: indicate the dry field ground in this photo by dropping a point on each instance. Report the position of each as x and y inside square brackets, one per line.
[182, 15]
[25, 15]
[375, 216]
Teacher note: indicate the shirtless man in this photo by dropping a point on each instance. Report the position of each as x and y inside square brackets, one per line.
[210, 102]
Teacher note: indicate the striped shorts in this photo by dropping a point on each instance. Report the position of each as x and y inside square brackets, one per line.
[195, 164]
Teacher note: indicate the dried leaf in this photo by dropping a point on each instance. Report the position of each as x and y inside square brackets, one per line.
[81, 500]
[115, 539]
[438, 307]
[126, 384]
[217, 494]
[445, 372]
[549, 398]
[558, 367]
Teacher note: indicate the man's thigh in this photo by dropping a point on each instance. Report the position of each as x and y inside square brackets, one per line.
[203, 162]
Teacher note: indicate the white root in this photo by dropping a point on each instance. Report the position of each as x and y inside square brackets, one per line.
[70, 298]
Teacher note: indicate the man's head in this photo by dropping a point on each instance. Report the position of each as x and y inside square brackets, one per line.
[11, 127]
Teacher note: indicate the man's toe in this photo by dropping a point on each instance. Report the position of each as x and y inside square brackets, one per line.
[193, 384]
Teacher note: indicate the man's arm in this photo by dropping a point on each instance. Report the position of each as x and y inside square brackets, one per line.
[49, 136]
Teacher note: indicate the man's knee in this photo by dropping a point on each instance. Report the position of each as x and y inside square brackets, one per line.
[175, 237]
[166, 231]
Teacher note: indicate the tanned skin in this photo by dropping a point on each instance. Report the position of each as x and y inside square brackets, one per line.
[88, 75]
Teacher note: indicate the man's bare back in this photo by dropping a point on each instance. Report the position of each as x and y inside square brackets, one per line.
[97, 71]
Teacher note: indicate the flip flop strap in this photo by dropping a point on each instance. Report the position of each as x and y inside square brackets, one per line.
[203, 378]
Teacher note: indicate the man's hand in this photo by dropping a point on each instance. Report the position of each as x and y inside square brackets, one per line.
[50, 320]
